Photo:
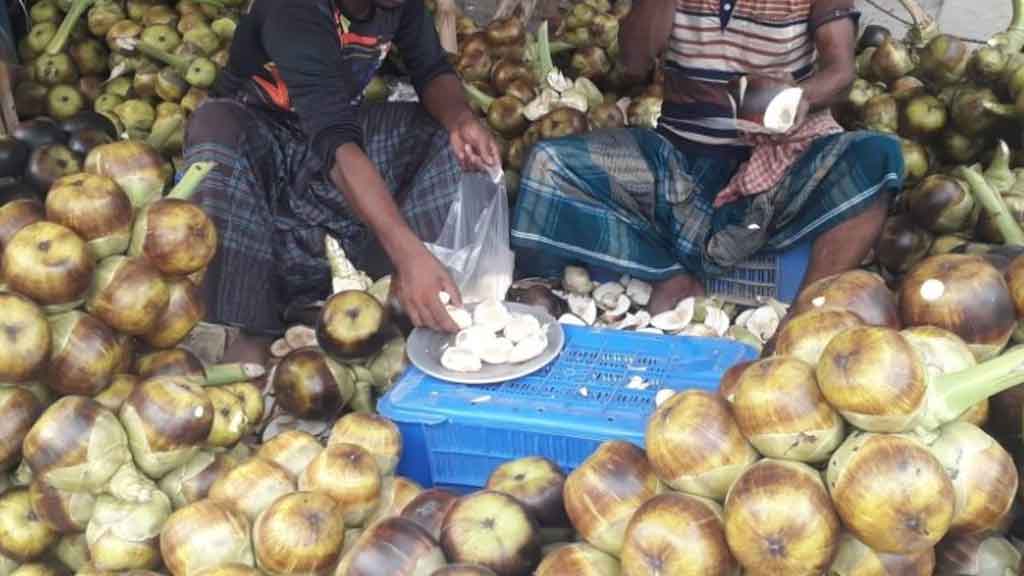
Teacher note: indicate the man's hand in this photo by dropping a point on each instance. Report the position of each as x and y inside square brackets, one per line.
[419, 277]
[803, 109]
[418, 282]
[474, 145]
[835, 41]
[801, 114]
[644, 34]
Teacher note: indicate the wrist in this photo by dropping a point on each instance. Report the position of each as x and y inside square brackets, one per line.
[459, 118]
[403, 247]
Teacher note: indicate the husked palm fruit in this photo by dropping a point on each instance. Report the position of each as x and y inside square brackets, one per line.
[161, 36]
[51, 70]
[160, 14]
[204, 38]
[40, 36]
[45, 11]
[103, 15]
[138, 117]
[64, 101]
[90, 57]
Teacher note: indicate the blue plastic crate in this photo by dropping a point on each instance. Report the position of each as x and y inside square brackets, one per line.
[455, 435]
[770, 275]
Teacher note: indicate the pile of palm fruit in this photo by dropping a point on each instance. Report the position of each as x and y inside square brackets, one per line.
[146, 65]
[100, 287]
[858, 447]
[560, 80]
[957, 112]
[143, 65]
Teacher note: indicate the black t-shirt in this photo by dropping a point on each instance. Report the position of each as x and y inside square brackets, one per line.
[309, 57]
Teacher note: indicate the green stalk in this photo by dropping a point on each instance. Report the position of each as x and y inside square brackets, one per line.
[477, 97]
[558, 47]
[994, 206]
[189, 183]
[1012, 39]
[60, 39]
[952, 394]
[1008, 111]
[924, 28]
[214, 3]
[998, 174]
[177, 62]
[542, 65]
[444, 20]
[220, 374]
[362, 400]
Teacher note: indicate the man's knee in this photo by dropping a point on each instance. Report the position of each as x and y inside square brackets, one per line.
[542, 156]
[880, 159]
[216, 122]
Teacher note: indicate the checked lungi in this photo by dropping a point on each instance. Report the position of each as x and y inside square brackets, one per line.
[272, 203]
[631, 201]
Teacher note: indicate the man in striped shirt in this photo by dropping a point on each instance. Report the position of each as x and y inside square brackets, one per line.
[695, 197]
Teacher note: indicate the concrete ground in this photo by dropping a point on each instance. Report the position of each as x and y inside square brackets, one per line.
[975, 19]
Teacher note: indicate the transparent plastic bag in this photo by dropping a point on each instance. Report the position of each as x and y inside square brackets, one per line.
[474, 243]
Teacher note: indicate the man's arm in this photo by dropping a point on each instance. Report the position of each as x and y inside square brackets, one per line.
[326, 102]
[420, 278]
[644, 34]
[373, 203]
[432, 75]
[835, 38]
[445, 100]
[440, 90]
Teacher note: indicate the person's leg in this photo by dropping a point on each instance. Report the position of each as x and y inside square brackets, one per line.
[667, 293]
[848, 208]
[847, 213]
[844, 247]
[239, 288]
[619, 200]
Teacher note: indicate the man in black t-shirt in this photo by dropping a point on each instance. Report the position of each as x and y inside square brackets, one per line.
[299, 155]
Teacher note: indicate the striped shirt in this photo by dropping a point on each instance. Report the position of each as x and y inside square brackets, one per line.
[716, 41]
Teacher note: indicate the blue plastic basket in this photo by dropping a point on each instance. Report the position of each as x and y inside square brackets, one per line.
[455, 435]
[772, 275]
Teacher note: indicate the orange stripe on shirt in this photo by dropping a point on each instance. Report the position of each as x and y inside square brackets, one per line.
[277, 90]
[351, 38]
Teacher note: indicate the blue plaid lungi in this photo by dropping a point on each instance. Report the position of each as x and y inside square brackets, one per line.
[630, 201]
[273, 204]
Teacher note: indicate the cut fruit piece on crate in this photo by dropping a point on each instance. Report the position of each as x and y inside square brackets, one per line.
[521, 327]
[300, 336]
[677, 319]
[461, 360]
[491, 314]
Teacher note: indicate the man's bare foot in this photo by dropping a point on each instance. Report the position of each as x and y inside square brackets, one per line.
[249, 349]
[667, 293]
[768, 349]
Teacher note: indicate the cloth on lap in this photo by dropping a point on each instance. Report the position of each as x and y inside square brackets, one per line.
[630, 201]
[771, 158]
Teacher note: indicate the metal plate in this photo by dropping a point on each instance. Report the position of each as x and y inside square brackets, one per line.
[426, 346]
